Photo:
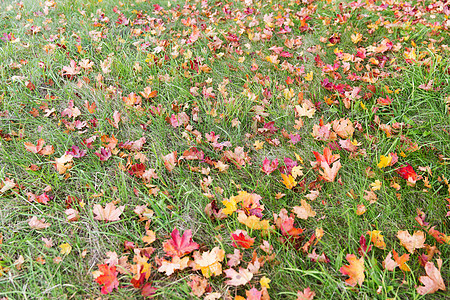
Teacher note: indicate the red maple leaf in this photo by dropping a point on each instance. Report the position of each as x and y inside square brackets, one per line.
[268, 167]
[180, 245]
[241, 239]
[108, 278]
[408, 173]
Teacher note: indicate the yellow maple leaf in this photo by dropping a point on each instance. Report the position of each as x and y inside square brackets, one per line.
[253, 222]
[309, 76]
[289, 181]
[264, 281]
[376, 185]
[258, 145]
[385, 161]
[230, 205]
[356, 38]
[297, 171]
[377, 239]
[65, 248]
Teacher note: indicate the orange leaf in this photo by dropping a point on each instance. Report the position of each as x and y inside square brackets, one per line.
[377, 239]
[355, 270]
[108, 277]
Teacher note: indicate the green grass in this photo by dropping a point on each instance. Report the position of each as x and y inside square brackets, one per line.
[180, 202]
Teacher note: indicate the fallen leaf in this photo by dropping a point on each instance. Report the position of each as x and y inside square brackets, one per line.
[35, 223]
[180, 245]
[355, 270]
[238, 278]
[107, 276]
[416, 241]
[304, 211]
[109, 213]
[307, 294]
[377, 239]
[65, 248]
[433, 281]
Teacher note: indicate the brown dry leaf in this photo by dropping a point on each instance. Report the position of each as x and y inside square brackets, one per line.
[389, 263]
[209, 262]
[304, 211]
[198, 285]
[35, 223]
[72, 214]
[150, 237]
[109, 213]
[416, 241]
[170, 161]
[433, 281]
[63, 163]
[238, 278]
[169, 267]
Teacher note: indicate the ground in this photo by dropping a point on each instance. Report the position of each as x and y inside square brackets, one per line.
[212, 149]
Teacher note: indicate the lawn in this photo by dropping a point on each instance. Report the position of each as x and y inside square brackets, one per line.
[224, 149]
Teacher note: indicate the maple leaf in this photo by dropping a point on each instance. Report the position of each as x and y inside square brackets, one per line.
[209, 262]
[63, 163]
[35, 223]
[327, 157]
[329, 174]
[177, 263]
[148, 93]
[433, 281]
[344, 128]
[363, 249]
[288, 181]
[268, 167]
[307, 294]
[401, 261]
[238, 278]
[377, 239]
[388, 263]
[304, 211]
[240, 238]
[384, 161]
[76, 152]
[104, 154]
[71, 70]
[65, 248]
[355, 270]
[180, 245]
[408, 173]
[198, 285]
[109, 213]
[239, 158]
[234, 259]
[178, 119]
[416, 241]
[72, 214]
[39, 148]
[107, 276]
[253, 222]
[318, 258]
[6, 185]
[264, 281]
[170, 161]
